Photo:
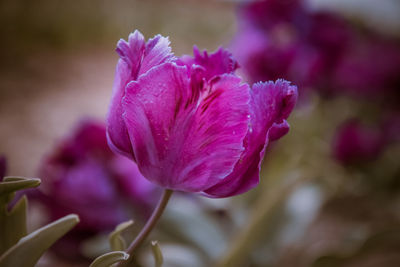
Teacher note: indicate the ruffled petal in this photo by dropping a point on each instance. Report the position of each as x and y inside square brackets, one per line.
[132, 52]
[216, 63]
[136, 58]
[117, 135]
[157, 52]
[181, 140]
[141, 56]
[270, 105]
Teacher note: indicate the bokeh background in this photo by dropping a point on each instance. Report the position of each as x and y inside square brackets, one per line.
[58, 61]
[57, 64]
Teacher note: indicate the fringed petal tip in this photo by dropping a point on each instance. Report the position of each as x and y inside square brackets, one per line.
[131, 49]
[136, 58]
[281, 94]
[286, 98]
[278, 130]
[280, 98]
[141, 55]
[290, 95]
[222, 59]
[216, 63]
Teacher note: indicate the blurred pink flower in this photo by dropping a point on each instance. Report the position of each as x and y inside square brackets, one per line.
[317, 49]
[370, 68]
[283, 39]
[83, 176]
[357, 143]
[189, 123]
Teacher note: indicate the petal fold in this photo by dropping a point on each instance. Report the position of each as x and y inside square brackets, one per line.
[270, 105]
[117, 135]
[216, 63]
[183, 141]
[136, 58]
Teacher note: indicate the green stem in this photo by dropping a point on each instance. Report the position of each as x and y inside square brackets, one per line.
[158, 211]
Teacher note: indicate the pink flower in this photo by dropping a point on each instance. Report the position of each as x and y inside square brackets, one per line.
[284, 39]
[370, 68]
[82, 175]
[313, 48]
[190, 123]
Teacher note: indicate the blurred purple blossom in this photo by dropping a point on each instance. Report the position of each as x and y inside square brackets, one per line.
[83, 176]
[324, 51]
[189, 123]
[317, 49]
[370, 68]
[356, 143]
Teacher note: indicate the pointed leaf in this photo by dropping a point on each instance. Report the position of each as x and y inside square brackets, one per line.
[110, 258]
[12, 184]
[117, 242]
[13, 225]
[158, 257]
[30, 248]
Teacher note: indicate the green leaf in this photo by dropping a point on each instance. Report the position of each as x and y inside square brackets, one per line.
[13, 223]
[158, 257]
[117, 242]
[12, 184]
[31, 247]
[109, 259]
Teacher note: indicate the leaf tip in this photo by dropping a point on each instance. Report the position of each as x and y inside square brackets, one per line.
[72, 217]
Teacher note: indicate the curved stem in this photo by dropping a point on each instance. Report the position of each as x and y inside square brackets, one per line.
[155, 216]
